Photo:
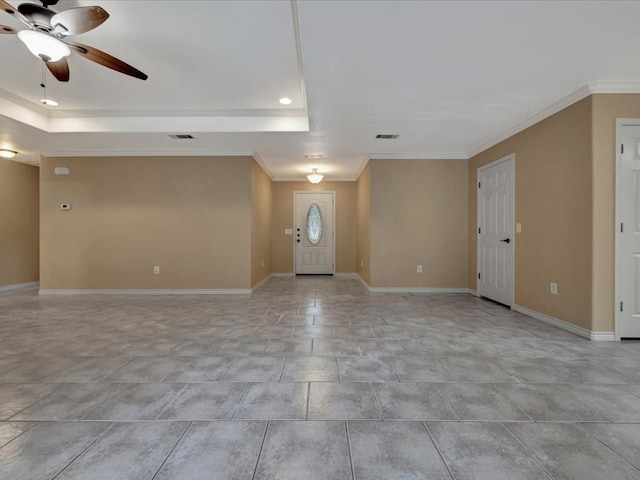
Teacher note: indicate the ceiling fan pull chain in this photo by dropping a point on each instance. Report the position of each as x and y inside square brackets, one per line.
[44, 81]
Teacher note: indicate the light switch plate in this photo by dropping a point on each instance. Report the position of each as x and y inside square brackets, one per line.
[288, 231]
[518, 228]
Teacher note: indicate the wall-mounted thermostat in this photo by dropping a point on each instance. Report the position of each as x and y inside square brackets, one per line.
[62, 171]
[65, 206]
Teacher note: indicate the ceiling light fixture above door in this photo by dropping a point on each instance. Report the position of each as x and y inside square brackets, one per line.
[315, 177]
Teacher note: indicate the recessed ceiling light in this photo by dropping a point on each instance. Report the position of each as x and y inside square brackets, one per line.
[6, 153]
[49, 102]
[285, 101]
[314, 156]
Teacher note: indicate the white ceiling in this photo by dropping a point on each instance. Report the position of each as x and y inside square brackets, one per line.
[450, 77]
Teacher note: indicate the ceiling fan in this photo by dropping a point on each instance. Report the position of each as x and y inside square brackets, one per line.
[46, 37]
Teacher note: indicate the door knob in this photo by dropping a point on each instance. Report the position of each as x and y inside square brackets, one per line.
[506, 240]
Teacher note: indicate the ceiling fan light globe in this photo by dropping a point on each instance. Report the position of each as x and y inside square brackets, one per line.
[44, 46]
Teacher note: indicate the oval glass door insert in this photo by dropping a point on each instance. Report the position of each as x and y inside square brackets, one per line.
[314, 224]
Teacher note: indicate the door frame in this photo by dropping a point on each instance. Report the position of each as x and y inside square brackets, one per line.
[620, 122]
[511, 158]
[333, 219]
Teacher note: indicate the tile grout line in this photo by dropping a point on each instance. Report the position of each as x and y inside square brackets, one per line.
[579, 425]
[20, 434]
[353, 470]
[375, 398]
[449, 407]
[235, 409]
[284, 364]
[58, 387]
[231, 363]
[435, 445]
[102, 434]
[306, 417]
[264, 438]
[172, 450]
[524, 449]
[388, 360]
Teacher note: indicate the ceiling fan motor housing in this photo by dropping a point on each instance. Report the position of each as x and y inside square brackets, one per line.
[39, 17]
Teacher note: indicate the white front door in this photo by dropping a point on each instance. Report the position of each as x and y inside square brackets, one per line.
[629, 233]
[313, 233]
[495, 230]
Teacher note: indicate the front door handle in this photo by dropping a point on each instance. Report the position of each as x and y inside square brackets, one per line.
[506, 240]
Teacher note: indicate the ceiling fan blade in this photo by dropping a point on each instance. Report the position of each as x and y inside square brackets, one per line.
[106, 60]
[59, 69]
[12, 11]
[78, 20]
[7, 30]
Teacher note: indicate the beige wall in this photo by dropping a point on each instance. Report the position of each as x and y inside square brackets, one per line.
[261, 206]
[553, 183]
[18, 223]
[419, 212]
[345, 221]
[606, 108]
[189, 215]
[363, 249]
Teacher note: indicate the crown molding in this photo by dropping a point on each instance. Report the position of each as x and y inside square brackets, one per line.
[614, 87]
[564, 102]
[577, 95]
[304, 179]
[250, 113]
[363, 165]
[419, 156]
[263, 165]
[147, 153]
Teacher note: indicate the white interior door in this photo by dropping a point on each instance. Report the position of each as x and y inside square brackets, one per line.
[629, 233]
[314, 233]
[495, 230]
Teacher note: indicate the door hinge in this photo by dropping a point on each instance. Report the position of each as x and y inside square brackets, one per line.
[478, 276]
[480, 230]
[621, 227]
[622, 148]
[479, 184]
[622, 306]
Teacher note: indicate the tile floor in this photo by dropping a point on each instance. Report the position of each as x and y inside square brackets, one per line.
[308, 378]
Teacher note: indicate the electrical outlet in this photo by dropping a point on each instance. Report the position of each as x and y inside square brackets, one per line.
[553, 287]
[419, 269]
[156, 270]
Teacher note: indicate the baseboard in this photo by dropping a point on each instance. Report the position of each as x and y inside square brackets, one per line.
[286, 274]
[261, 282]
[603, 336]
[150, 291]
[569, 327]
[418, 290]
[411, 289]
[17, 286]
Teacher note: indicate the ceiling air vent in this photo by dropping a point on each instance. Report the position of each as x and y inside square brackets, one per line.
[182, 136]
[387, 136]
